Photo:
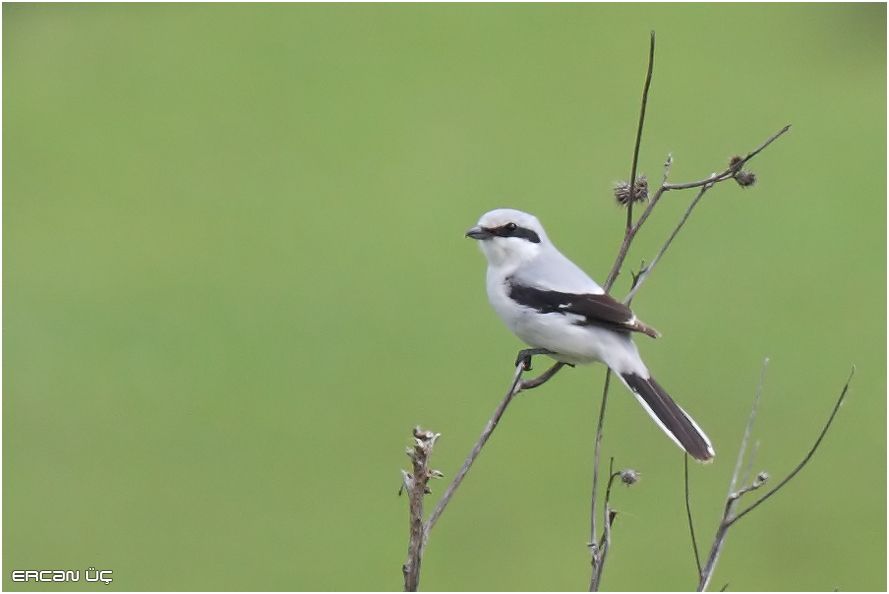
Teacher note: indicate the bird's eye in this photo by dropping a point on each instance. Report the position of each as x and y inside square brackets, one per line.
[511, 227]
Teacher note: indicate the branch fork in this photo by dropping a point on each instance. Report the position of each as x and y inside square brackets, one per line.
[734, 497]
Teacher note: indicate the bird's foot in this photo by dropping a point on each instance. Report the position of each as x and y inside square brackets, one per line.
[524, 357]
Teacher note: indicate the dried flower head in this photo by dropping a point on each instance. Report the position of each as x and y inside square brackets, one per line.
[735, 163]
[419, 433]
[745, 179]
[629, 476]
[640, 192]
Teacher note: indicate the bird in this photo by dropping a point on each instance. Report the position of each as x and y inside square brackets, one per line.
[553, 306]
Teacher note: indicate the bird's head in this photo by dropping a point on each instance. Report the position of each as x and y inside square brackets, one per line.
[509, 237]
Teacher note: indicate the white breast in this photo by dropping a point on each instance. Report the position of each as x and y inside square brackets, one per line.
[557, 332]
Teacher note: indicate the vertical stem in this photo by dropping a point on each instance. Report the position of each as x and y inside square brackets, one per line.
[691, 524]
[417, 488]
[596, 559]
[411, 568]
[596, 453]
[639, 133]
[608, 516]
[718, 541]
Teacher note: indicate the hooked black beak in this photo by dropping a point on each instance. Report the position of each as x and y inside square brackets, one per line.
[479, 233]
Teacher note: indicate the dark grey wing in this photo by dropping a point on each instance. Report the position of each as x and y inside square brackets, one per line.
[595, 309]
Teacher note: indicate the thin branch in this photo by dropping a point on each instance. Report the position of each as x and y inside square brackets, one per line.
[543, 377]
[476, 450]
[748, 429]
[666, 187]
[691, 524]
[729, 519]
[606, 535]
[628, 240]
[515, 387]
[747, 475]
[716, 548]
[596, 457]
[608, 516]
[731, 170]
[805, 460]
[646, 271]
[758, 482]
[639, 133]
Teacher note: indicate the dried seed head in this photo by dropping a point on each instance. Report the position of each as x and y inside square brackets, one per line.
[735, 163]
[629, 476]
[745, 179]
[640, 192]
[424, 438]
[761, 478]
[622, 193]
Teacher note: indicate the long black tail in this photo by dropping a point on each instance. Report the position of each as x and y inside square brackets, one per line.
[669, 416]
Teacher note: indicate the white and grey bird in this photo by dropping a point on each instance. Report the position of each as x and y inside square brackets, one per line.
[554, 307]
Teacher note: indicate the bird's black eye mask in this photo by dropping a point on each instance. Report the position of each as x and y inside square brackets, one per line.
[513, 230]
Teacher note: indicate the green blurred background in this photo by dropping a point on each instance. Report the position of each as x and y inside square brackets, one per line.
[235, 277]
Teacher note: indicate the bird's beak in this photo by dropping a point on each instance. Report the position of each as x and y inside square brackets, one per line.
[479, 233]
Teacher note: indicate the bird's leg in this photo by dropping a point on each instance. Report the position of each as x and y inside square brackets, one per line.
[524, 357]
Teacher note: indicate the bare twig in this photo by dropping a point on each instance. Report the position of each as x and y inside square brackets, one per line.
[691, 524]
[628, 477]
[729, 517]
[666, 187]
[515, 387]
[806, 459]
[596, 453]
[646, 271]
[639, 133]
[604, 545]
[477, 448]
[748, 429]
[732, 496]
[747, 475]
[543, 377]
[729, 172]
[416, 485]
[605, 513]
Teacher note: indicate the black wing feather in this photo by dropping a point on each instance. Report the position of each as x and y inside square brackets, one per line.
[597, 310]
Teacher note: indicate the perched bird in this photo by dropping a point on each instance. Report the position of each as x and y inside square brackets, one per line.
[554, 307]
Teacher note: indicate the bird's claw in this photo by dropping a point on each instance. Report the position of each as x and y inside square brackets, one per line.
[524, 359]
[525, 355]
